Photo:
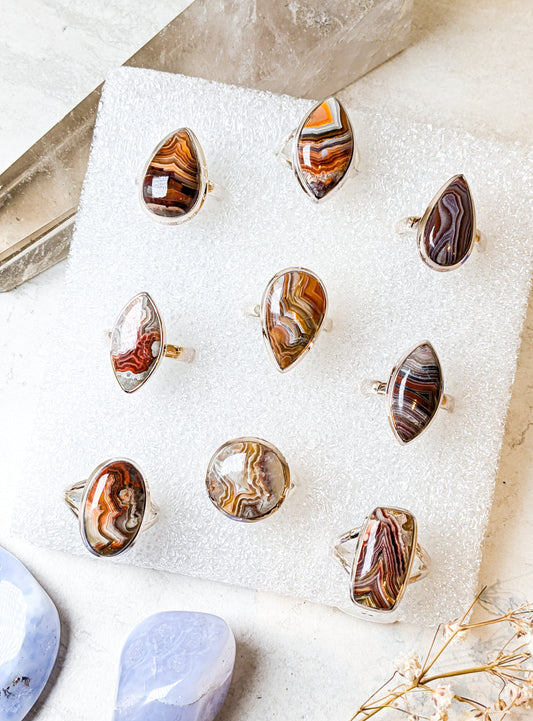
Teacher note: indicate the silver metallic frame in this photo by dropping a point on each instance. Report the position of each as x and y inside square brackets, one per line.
[76, 497]
[288, 152]
[446, 402]
[418, 225]
[206, 186]
[349, 560]
[165, 349]
[259, 311]
[289, 486]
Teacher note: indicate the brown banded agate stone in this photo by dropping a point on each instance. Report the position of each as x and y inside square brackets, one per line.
[415, 392]
[115, 502]
[325, 148]
[136, 342]
[448, 233]
[293, 309]
[383, 559]
[247, 479]
[173, 182]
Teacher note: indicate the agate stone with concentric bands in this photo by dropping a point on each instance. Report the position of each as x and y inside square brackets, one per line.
[448, 230]
[325, 148]
[136, 342]
[113, 507]
[173, 182]
[415, 392]
[293, 310]
[247, 479]
[383, 559]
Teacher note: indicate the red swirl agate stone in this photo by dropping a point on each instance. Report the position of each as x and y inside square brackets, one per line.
[172, 182]
[324, 149]
[448, 233]
[136, 342]
[114, 507]
[383, 559]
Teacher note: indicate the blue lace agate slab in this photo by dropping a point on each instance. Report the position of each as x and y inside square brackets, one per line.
[29, 638]
[175, 665]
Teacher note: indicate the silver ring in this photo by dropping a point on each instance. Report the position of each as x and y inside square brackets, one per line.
[322, 150]
[138, 343]
[414, 392]
[248, 479]
[446, 234]
[293, 313]
[174, 183]
[386, 558]
[113, 507]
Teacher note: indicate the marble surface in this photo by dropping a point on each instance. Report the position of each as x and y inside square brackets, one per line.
[66, 49]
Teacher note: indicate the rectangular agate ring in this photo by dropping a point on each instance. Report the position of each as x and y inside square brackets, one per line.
[383, 559]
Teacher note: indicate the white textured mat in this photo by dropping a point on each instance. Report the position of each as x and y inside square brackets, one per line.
[382, 300]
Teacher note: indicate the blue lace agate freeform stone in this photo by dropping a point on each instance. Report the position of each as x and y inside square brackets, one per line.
[29, 638]
[175, 665]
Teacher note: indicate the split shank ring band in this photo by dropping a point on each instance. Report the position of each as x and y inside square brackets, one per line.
[387, 557]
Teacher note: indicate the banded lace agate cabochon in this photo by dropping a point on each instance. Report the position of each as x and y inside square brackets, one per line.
[448, 233]
[29, 638]
[172, 183]
[113, 512]
[383, 560]
[175, 666]
[324, 148]
[416, 391]
[247, 479]
[136, 342]
[294, 308]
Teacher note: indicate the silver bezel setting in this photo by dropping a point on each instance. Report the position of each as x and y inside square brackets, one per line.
[354, 160]
[203, 181]
[288, 486]
[377, 613]
[390, 389]
[423, 222]
[160, 354]
[306, 350]
[149, 515]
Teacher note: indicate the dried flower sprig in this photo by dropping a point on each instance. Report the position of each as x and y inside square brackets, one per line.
[420, 689]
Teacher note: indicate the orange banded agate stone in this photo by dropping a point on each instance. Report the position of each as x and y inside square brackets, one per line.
[325, 149]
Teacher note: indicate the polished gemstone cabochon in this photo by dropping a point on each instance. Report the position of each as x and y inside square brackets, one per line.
[415, 392]
[29, 638]
[136, 342]
[447, 235]
[293, 310]
[247, 479]
[325, 148]
[175, 666]
[173, 182]
[114, 507]
[383, 559]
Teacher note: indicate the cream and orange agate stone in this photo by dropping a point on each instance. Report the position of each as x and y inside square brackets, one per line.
[294, 308]
[114, 508]
[247, 479]
[325, 148]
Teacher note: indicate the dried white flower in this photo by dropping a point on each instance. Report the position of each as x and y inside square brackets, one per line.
[449, 629]
[442, 697]
[409, 666]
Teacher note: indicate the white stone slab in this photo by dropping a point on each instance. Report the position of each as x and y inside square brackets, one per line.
[202, 275]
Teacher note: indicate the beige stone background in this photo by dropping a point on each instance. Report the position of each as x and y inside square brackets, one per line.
[469, 66]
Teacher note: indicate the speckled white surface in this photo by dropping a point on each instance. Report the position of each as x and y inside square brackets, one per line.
[383, 299]
[294, 659]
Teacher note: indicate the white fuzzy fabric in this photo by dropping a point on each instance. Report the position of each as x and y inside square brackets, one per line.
[202, 275]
